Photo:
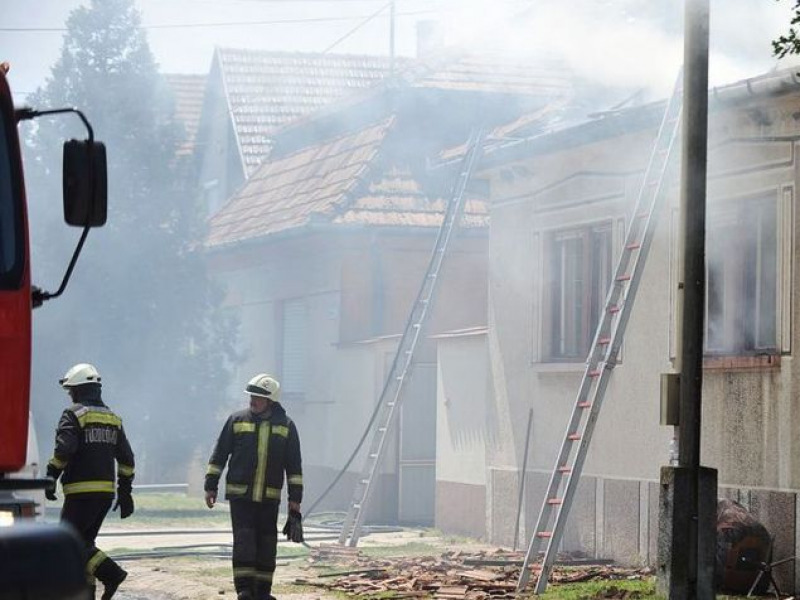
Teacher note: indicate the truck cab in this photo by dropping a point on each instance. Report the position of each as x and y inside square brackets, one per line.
[29, 549]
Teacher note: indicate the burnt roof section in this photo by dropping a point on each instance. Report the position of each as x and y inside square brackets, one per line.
[265, 90]
[339, 182]
[187, 92]
[289, 192]
[563, 133]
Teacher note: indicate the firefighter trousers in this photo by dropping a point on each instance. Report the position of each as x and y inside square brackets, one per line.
[85, 513]
[255, 544]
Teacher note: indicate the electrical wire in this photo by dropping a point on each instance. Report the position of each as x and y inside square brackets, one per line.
[228, 24]
[356, 28]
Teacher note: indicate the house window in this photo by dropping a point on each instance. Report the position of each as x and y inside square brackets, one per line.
[741, 289]
[294, 349]
[578, 265]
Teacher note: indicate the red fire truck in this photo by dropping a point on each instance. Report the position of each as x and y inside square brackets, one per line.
[36, 561]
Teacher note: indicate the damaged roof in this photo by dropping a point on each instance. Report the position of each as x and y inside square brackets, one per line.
[265, 90]
[338, 182]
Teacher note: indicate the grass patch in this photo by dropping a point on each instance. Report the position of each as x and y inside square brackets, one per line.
[407, 549]
[589, 590]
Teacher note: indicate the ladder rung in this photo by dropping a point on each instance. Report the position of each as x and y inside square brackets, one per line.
[357, 506]
[642, 215]
[584, 405]
[374, 455]
[625, 277]
[574, 436]
[614, 309]
[595, 373]
[564, 469]
[555, 501]
[544, 534]
[390, 404]
[604, 341]
[633, 246]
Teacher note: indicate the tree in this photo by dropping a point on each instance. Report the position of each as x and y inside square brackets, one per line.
[140, 304]
[789, 43]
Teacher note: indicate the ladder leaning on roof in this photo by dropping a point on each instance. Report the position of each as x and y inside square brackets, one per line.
[603, 352]
[391, 396]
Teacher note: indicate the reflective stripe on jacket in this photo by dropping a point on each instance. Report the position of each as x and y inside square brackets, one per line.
[258, 450]
[89, 440]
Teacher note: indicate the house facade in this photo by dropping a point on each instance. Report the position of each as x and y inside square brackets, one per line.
[323, 248]
[560, 206]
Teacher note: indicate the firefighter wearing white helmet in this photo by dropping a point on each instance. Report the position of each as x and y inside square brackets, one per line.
[264, 386]
[259, 445]
[80, 374]
[89, 440]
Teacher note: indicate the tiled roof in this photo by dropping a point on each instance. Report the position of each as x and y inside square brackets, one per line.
[334, 182]
[397, 200]
[284, 193]
[187, 90]
[495, 74]
[268, 89]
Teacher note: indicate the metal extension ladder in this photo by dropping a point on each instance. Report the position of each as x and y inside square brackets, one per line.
[391, 396]
[603, 352]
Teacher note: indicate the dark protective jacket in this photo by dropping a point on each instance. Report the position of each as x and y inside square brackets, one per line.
[261, 449]
[89, 440]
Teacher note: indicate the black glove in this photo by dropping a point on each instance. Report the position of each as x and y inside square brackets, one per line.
[50, 492]
[293, 530]
[124, 503]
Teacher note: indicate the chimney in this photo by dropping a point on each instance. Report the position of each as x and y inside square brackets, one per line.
[429, 39]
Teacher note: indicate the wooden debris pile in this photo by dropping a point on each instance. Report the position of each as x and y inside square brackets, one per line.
[451, 576]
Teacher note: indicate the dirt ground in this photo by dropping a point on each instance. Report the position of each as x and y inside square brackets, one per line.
[206, 578]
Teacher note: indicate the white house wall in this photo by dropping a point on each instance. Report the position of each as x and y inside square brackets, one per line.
[461, 433]
[750, 403]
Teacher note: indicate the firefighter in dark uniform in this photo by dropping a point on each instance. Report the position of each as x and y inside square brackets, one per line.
[262, 444]
[89, 439]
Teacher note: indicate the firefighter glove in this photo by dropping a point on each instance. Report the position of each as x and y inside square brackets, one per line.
[124, 503]
[50, 492]
[293, 530]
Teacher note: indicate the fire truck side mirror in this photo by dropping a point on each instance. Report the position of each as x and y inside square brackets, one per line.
[85, 183]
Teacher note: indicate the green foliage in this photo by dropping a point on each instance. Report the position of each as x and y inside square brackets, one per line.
[140, 304]
[788, 43]
[591, 590]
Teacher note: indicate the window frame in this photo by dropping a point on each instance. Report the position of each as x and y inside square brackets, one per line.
[593, 294]
[12, 201]
[737, 287]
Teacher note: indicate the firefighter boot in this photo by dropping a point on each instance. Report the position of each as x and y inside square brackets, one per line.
[112, 576]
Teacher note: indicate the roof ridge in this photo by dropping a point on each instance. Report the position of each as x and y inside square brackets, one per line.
[325, 55]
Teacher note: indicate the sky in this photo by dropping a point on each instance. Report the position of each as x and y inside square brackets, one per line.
[595, 40]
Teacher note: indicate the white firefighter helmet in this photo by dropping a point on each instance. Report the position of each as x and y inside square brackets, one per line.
[265, 386]
[80, 374]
